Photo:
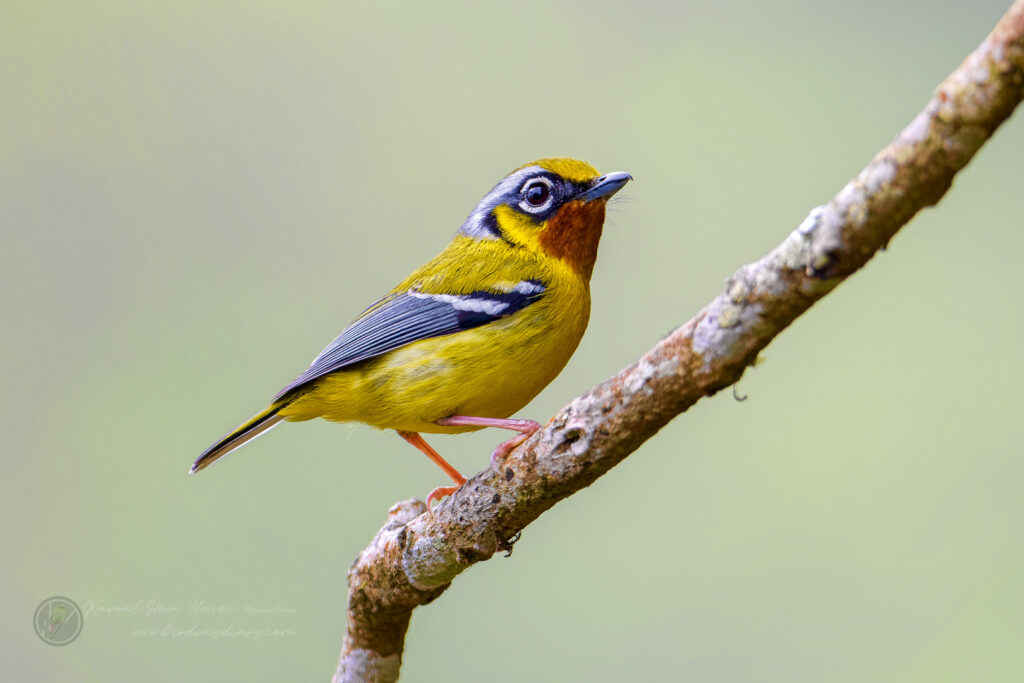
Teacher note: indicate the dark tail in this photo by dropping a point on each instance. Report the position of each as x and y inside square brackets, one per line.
[259, 424]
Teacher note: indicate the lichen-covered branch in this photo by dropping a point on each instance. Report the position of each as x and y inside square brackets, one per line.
[414, 558]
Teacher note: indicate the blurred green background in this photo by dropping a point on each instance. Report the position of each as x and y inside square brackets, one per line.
[195, 197]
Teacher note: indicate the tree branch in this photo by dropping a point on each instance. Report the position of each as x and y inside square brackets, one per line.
[413, 559]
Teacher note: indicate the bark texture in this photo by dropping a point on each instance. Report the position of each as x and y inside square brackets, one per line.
[413, 559]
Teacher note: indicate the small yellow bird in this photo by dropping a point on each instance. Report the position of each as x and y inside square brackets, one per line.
[472, 336]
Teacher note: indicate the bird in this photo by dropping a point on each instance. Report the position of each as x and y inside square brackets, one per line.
[473, 335]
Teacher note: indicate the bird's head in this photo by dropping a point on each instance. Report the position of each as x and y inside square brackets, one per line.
[554, 206]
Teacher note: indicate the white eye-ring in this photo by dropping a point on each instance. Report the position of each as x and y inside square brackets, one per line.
[537, 195]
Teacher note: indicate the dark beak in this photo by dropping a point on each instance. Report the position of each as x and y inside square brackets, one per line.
[605, 186]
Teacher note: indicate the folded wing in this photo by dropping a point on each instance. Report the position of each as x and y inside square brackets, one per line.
[402, 318]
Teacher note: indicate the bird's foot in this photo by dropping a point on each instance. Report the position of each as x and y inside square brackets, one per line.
[504, 448]
[526, 429]
[439, 493]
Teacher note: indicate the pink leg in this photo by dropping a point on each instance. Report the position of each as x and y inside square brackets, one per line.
[441, 491]
[526, 428]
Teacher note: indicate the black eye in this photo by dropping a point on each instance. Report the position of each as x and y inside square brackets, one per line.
[536, 193]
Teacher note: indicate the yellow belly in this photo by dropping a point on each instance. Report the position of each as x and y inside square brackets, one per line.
[488, 371]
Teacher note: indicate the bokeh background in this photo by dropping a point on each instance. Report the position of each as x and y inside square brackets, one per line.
[195, 197]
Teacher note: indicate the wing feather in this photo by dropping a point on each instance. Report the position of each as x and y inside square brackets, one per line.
[402, 318]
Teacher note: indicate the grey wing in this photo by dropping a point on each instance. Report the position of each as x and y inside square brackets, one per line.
[406, 317]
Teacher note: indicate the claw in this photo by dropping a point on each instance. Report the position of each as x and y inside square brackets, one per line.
[504, 448]
[439, 493]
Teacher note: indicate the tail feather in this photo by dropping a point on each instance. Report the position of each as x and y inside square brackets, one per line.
[260, 423]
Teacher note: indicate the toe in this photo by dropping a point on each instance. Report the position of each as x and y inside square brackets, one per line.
[439, 493]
